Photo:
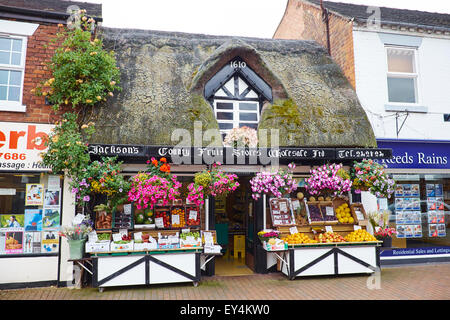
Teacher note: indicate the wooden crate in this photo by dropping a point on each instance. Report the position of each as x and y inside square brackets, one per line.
[324, 204]
[337, 202]
[314, 223]
[359, 206]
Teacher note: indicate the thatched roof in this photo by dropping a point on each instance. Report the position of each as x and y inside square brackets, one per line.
[164, 74]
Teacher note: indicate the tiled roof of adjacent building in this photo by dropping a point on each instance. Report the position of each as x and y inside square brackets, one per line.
[391, 16]
[51, 6]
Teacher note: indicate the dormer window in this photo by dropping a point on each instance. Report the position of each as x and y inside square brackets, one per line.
[236, 94]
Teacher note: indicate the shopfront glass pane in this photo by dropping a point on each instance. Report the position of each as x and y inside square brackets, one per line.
[30, 214]
[421, 211]
[224, 105]
[248, 106]
[17, 45]
[15, 58]
[402, 90]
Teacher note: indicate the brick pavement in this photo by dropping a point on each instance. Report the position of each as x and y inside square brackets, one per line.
[420, 282]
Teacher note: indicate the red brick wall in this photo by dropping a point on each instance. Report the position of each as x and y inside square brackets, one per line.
[303, 21]
[35, 71]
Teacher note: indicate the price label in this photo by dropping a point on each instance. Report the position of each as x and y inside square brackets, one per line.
[293, 230]
[117, 236]
[359, 215]
[283, 206]
[127, 208]
[92, 236]
[187, 230]
[328, 228]
[356, 227]
[377, 229]
[78, 219]
[329, 211]
[295, 204]
[175, 219]
[159, 222]
[138, 236]
[193, 214]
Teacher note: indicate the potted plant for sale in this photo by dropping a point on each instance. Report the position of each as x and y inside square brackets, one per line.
[277, 184]
[76, 235]
[328, 181]
[369, 175]
[382, 231]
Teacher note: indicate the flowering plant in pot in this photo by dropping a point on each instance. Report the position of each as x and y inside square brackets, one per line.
[274, 183]
[265, 235]
[241, 137]
[327, 180]
[76, 235]
[380, 224]
[369, 175]
[213, 182]
[156, 185]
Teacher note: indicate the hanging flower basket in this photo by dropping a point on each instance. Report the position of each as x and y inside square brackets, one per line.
[278, 183]
[327, 182]
[369, 175]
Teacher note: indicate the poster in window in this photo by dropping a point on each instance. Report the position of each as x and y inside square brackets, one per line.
[432, 230]
[399, 218]
[441, 230]
[12, 221]
[399, 190]
[415, 190]
[34, 195]
[438, 190]
[439, 203]
[2, 242]
[409, 231]
[398, 204]
[431, 192]
[33, 220]
[406, 190]
[401, 231]
[52, 197]
[14, 242]
[50, 242]
[418, 231]
[432, 217]
[431, 203]
[50, 219]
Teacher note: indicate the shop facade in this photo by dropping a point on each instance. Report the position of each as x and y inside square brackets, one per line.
[420, 206]
[32, 198]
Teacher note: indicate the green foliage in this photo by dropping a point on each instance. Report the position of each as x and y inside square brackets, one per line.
[67, 146]
[101, 177]
[83, 73]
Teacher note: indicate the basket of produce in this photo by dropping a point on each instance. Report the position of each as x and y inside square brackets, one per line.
[314, 214]
[177, 217]
[162, 217]
[359, 214]
[343, 212]
[103, 219]
[328, 213]
[192, 215]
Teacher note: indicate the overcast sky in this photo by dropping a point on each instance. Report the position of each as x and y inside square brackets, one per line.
[249, 18]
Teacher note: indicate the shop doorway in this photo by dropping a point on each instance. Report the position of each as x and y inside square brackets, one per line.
[233, 216]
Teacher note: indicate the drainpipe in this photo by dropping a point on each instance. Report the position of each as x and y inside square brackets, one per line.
[327, 25]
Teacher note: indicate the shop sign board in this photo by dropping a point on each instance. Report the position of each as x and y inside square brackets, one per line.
[414, 251]
[229, 155]
[21, 145]
[411, 154]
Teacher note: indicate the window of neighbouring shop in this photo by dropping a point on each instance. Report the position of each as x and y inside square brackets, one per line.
[420, 210]
[30, 213]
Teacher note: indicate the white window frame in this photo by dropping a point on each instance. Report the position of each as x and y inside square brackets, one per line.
[15, 106]
[408, 75]
[16, 30]
[235, 112]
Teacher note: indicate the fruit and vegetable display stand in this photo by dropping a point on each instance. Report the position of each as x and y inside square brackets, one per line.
[167, 245]
[326, 237]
